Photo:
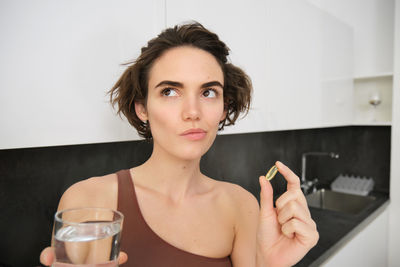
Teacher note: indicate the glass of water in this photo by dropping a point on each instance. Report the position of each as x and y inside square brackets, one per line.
[87, 237]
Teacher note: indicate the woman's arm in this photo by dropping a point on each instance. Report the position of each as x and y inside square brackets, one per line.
[94, 192]
[246, 225]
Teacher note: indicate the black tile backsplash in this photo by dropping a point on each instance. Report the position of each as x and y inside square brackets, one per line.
[33, 179]
[241, 158]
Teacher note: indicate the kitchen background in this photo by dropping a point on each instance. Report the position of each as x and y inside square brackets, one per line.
[315, 66]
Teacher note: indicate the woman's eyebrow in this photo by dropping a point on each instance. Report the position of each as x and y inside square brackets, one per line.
[180, 85]
[213, 83]
[170, 83]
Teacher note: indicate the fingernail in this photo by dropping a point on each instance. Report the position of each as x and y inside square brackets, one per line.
[278, 162]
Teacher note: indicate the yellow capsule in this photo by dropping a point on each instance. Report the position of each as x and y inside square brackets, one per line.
[271, 173]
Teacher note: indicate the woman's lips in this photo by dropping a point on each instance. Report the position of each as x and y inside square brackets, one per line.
[194, 134]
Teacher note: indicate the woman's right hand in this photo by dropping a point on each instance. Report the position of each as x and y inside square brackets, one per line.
[47, 257]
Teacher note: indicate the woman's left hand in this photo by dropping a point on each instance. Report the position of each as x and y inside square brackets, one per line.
[285, 233]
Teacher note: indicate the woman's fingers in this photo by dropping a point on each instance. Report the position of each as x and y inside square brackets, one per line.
[123, 257]
[293, 210]
[293, 187]
[47, 256]
[304, 232]
[293, 213]
[266, 195]
[291, 195]
[293, 181]
[295, 220]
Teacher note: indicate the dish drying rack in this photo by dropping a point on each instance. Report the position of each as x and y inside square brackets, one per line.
[351, 184]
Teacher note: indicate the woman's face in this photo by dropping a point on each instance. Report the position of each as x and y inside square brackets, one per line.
[185, 102]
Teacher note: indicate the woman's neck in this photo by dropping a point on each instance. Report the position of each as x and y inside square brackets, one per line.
[171, 176]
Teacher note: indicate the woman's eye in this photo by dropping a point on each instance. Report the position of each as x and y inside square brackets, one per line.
[169, 92]
[210, 93]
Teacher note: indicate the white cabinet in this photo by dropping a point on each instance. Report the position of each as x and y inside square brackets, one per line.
[373, 25]
[309, 67]
[299, 59]
[294, 66]
[58, 60]
[368, 248]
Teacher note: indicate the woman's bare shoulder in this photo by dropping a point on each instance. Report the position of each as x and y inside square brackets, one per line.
[236, 195]
[101, 191]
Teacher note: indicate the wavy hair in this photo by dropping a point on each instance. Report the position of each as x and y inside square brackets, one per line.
[132, 86]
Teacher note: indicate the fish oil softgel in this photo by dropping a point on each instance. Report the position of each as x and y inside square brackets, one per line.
[271, 173]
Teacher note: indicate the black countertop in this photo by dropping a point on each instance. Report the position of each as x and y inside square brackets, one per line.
[337, 227]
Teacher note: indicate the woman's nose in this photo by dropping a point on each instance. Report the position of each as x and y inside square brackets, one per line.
[191, 108]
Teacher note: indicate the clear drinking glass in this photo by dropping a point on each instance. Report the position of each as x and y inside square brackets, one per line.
[86, 237]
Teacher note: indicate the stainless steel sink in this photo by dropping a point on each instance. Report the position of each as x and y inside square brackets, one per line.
[330, 200]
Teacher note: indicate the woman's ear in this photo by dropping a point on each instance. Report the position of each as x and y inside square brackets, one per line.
[141, 111]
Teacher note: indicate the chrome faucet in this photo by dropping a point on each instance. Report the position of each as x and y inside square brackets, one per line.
[306, 185]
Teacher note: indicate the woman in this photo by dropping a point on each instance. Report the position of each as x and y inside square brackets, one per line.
[178, 94]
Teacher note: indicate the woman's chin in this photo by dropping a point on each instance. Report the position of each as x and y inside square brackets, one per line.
[186, 151]
[191, 156]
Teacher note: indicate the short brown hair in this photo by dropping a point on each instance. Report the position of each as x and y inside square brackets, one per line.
[133, 84]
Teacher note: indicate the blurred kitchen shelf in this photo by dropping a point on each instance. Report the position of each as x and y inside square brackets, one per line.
[379, 86]
[377, 76]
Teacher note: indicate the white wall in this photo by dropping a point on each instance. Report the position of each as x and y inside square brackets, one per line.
[394, 216]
